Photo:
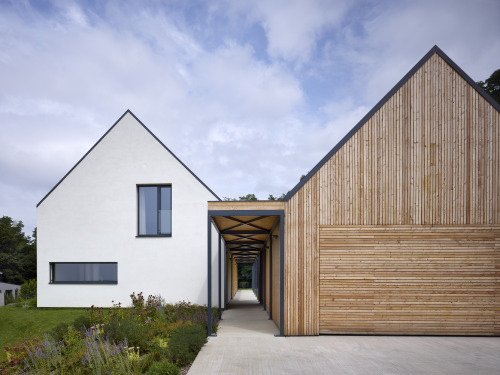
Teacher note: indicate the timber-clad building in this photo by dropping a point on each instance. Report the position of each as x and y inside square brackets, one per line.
[397, 229]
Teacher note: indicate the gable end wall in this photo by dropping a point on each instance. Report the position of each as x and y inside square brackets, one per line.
[428, 157]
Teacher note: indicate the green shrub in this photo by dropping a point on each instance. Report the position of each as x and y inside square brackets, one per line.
[104, 357]
[59, 331]
[159, 328]
[28, 289]
[145, 362]
[9, 298]
[130, 331]
[96, 315]
[44, 358]
[188, 312]
[82, 323]
[148, 310]
[32, 303]
[163, 368]
[159, 349]
[185, 344]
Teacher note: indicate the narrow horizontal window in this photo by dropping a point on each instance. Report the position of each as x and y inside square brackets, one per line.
[155, 210]
[84, 273]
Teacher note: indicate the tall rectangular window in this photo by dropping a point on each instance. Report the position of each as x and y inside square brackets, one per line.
[155, 210]
[84, 273]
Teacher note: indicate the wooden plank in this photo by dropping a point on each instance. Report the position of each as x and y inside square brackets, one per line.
[246, 205]
[409, 279]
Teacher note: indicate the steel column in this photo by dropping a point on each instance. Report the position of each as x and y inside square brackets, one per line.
[282, 275]
[219, 257]
[209, 281]
[271, 278]
[264, 278]
[225, 276]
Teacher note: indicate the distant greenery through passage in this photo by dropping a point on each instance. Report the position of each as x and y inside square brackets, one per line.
[244, 276]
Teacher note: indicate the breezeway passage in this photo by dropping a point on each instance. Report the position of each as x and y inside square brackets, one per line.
[245, 344]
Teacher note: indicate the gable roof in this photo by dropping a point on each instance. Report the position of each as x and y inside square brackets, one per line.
[408, 75]
[105, 134]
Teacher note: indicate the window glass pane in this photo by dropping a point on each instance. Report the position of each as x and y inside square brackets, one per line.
[85, 272]
[166, 210]
[148, 210]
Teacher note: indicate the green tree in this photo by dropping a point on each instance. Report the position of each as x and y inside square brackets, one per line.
[17, 252]
[492, 85]
[248, 197]
[245, 274]
[28, 259]
[273, 198]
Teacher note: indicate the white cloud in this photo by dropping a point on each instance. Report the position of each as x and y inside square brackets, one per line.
[398, 34]
[293, 27]
[243, 116]
[233, 78]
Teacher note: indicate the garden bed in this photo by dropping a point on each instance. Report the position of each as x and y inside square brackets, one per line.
[150, 337]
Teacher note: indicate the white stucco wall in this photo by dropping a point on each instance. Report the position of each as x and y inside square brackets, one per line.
[92, 217]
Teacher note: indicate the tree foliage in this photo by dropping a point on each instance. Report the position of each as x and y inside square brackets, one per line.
[17, 252]
[273, 198]
[245, 273]
[248, 197]
[492, 85]
[252, 197]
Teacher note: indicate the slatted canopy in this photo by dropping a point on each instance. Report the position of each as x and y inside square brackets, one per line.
[245, 236]
[246, 228]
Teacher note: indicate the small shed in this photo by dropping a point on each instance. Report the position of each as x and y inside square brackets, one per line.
[7, 289]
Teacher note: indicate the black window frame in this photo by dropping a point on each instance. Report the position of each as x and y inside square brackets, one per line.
[52, 274]
[158, 186]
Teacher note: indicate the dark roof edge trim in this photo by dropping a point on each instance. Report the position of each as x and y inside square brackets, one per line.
[128, 111]
[403, 80]
[212, 213]
[175, 156]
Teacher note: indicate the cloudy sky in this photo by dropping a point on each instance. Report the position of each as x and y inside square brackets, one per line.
[249, 94]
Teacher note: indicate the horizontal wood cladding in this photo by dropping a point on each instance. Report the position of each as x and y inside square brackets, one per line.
[437, 280]
[245, 205]
[429, 155]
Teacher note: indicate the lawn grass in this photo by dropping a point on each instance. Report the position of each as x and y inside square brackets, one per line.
[18, 324]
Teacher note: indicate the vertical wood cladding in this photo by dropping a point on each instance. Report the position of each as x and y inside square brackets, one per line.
[430, 156]
[302, 261]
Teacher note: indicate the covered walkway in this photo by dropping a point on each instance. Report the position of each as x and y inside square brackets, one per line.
[245, 344]
[246, 318]
[249, 232]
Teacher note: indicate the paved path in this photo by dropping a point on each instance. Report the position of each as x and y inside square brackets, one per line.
[245, 344]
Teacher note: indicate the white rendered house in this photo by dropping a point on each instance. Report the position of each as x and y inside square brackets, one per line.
[129, 217]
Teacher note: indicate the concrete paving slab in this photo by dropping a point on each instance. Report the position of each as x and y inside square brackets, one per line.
[246, 344]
